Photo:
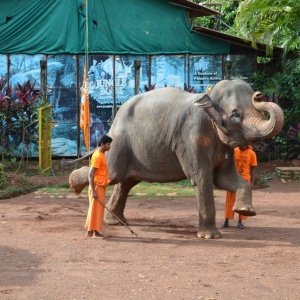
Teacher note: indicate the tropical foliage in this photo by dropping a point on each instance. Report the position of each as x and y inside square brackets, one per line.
[18, 115]
[283, 88]
[273, 22]
[222, 22]
[276, 23]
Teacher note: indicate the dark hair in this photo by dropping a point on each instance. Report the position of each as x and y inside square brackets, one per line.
[104, 139]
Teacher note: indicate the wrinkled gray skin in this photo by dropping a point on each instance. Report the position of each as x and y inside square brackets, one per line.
[168, 135]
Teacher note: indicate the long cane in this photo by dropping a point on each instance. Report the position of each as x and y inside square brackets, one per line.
[116, 216]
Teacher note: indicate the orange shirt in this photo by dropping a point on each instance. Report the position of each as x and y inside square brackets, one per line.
[98, 161]
[244, 160]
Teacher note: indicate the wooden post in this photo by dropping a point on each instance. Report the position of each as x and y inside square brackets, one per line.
[228, 66]
[137, 76]
[43, 91]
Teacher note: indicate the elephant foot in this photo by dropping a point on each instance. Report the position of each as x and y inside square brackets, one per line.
[245, 211]
[212, 233]
[110, 219]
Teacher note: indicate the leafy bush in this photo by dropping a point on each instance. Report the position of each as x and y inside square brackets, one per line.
[18, 115]
[294, 141]
[3, 180]
[284, 89]
[5, 114]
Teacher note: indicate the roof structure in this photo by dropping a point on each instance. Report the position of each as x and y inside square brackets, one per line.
[134, 27]
[195, 10]
[237, 45]
[114, 27]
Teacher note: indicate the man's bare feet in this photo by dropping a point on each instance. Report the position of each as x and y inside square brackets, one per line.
[89, 233]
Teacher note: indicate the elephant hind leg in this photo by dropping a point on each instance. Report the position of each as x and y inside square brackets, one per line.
[117, 202]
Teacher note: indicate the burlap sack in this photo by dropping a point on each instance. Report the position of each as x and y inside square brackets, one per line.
[78, 179]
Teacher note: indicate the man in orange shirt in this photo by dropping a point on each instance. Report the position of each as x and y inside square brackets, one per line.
[245, 162]
[98, 179]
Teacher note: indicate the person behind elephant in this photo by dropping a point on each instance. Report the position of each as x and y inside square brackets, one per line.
[245, 162]
[98, 180]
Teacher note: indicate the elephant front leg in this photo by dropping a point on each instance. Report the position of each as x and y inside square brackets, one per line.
[243, 203]
[207, 213]
[117, 202]
[228, 179]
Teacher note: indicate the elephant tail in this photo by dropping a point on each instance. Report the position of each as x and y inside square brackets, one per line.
[75, 161]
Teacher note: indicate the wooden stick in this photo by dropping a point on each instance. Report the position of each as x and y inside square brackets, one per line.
[116, 216]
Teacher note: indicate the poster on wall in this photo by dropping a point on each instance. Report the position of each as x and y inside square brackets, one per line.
[23, 139]
[61, 93]
[168, 71]
[100, 80]
[125, 76]
[3, 66]
[24, 68]
[100, 90]
[242, 67]
[3, 85]
[205, 70]
[103, 88]
[179, 71]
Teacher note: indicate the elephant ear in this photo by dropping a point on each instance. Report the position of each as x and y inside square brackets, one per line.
[205, 103]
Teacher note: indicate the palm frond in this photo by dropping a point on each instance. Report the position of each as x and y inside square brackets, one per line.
[270, 22]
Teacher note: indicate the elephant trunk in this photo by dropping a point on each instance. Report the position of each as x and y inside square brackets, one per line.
[260, 127]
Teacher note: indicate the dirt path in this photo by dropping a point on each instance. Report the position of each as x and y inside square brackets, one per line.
[45, 255]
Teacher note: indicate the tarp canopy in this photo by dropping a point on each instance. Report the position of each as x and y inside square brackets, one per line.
[114, 27]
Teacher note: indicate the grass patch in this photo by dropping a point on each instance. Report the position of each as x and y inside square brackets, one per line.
[142, 190]
[11, 192]
[160, 190]
[57, 189]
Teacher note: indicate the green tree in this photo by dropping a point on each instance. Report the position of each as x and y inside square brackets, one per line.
[276, 23]
[223, 22]
[270, 22]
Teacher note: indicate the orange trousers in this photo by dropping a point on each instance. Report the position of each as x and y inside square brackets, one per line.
[96, 210]
[229, 213]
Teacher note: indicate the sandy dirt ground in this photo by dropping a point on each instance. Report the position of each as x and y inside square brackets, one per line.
[45, 255]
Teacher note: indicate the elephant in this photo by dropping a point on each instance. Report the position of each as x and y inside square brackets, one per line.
[168, 135]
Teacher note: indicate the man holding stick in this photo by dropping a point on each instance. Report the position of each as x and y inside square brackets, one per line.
[98, 181]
